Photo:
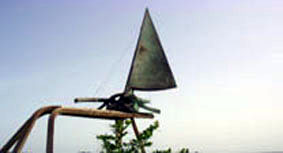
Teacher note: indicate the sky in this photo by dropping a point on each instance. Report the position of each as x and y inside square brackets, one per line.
[226, 57]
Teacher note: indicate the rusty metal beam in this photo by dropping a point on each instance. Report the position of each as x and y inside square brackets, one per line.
[15, 137]
[20, 137]
[85, 112]
[135, 127]
[41, 112]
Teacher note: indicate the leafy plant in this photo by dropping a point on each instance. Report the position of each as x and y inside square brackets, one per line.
[112, 143]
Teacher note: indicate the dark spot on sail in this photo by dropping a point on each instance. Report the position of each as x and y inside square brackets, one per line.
[142, 49]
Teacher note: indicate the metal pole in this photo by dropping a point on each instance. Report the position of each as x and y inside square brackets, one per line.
[135, 127]
[20, 137]
[50, 133]
[85, 112]
[36, 115]
[15, 137]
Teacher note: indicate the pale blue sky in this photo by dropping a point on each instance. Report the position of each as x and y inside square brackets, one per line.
[227, 58]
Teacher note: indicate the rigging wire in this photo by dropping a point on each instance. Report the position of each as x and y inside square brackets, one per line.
[111, 72]
[102, 86]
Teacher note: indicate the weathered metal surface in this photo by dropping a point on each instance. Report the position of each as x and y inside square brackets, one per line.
[20, 137]
[104, 114]
[85, 112]
[150, 69]
[135, 128]
[41, 112]
[15, 137]
[91, 99]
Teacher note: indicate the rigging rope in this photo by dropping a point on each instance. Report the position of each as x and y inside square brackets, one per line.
[111, 72]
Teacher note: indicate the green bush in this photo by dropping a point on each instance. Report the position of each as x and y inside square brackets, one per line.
[112, 143]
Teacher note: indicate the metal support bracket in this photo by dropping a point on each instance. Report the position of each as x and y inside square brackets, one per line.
[19, 138]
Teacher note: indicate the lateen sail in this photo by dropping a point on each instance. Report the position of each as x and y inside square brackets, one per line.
[150, 69]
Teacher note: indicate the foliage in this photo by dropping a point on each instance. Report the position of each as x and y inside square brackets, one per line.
[112, 143]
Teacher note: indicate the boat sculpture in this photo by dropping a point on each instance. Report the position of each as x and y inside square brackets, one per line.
[149, 71]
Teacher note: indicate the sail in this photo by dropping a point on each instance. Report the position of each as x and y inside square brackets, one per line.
[150, 69]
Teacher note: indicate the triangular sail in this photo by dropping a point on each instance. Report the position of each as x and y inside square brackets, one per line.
[150, 69]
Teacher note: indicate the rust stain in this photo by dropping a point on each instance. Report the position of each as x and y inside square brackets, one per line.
[142, 49]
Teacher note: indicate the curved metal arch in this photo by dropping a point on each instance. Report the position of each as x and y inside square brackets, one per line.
[85, 112]
[20, 137]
